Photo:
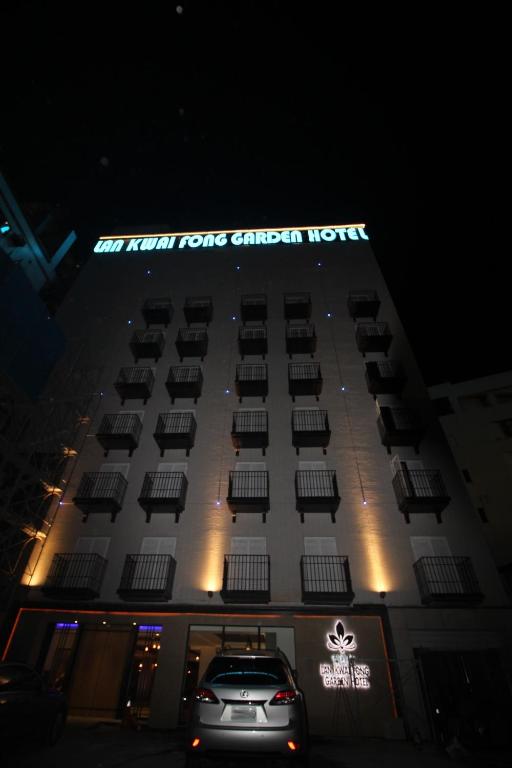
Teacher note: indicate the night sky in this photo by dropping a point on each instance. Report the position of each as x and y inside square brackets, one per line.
[250, 114]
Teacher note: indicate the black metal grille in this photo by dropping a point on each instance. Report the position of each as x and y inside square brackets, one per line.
[76, 571]
[250, 421]
[389, 369]
[148, 337]
[309, 420]
[373, 329]
[401, 418]
[192, 334]
[446, 576]
[175, 423]
[120, 424]
[184, 374]
[316, 483]
[248, 485]
[306, 331]
[250, 372]
[249, 334]
[325, 573]
[136, 375]
[102, 485]
[147, 573]
[246, 573]
[303, 371]
[418, 483]
[163, 485]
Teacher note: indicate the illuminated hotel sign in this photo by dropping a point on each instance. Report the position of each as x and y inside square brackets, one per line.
[259, 237]
[344, 671]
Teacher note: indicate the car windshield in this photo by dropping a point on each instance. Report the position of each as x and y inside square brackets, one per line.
[246, 671]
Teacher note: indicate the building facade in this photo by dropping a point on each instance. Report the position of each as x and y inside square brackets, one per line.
[263, 470]
[476, 418]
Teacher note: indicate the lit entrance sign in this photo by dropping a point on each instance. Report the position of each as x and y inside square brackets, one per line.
[344, 671]
[232, 238]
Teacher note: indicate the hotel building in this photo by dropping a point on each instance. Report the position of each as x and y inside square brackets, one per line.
[259, 466]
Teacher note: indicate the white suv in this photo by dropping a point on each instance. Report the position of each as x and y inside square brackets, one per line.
[248, 702]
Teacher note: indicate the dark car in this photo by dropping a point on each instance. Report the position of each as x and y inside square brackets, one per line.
[248, 702]
[29, 707]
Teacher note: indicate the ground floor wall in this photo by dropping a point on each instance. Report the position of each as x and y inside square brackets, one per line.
[363, 673]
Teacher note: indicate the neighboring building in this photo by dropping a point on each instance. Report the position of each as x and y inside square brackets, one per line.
[35, 429]
[476, 417]
[264, 470]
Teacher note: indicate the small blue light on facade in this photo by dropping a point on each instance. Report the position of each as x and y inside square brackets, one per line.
[365, 502]
[227, 391]
[329, 314]
[149, 628]
[233, 317]
[319, 263]
[63, 625]
[237, 267]
[5, 228]
[130, 322]
[217, 503]
[148, 271]
[342, 388]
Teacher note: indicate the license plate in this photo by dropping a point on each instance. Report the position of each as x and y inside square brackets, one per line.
[243, 713]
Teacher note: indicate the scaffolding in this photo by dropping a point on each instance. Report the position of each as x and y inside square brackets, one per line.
[39, 442]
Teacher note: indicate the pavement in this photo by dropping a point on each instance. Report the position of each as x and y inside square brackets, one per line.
[85, 744]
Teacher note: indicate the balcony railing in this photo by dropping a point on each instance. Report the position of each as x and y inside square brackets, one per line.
[134, 383]
[420, 490]
[310, 429]
[316, 490]
[400, 426]
[249, 430]
[198, 309]
[385, 377]
[326, 579]
[175, 430]
[163, 492]
[447, 581]
[147, 577]
[253, 307]
[192, 342]
[300, 339]
[251, 380]
[252, 341]
[363, 303]
[101, 492]
[297, 306]
[157, 311]
[76, 575]
[147, 344]
[184, 381]
[248, 492]
[246, 579]
[304, 379]
[119, 431]
[373, 337]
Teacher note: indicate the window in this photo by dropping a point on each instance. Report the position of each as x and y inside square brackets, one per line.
[318, 545]
[97, 545]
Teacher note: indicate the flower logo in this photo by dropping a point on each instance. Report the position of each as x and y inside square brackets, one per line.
[340, 641]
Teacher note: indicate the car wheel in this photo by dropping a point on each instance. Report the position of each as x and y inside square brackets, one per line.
[54, 730]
